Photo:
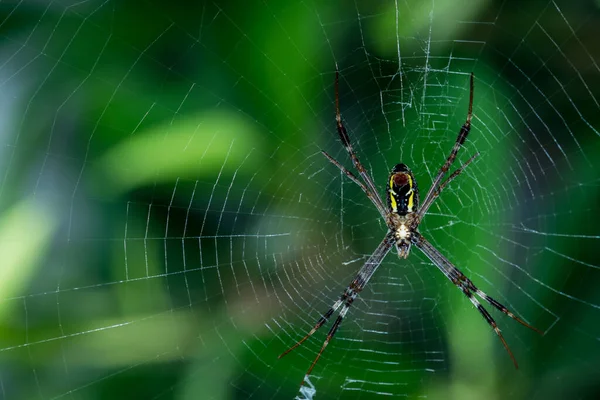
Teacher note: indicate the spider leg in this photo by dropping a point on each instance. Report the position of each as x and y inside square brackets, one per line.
[467, 287]
[502, 308]
[425, 206]
[354, 179]
[490, 320]
[319, 324]
[460, 139]
[347, 298]
[343, 134]
[331, 333]
[455, 174]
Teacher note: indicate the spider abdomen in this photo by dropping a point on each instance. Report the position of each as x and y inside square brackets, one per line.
[402, 192]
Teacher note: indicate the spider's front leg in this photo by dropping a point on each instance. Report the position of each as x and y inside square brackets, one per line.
[368, 187]
[438, 185]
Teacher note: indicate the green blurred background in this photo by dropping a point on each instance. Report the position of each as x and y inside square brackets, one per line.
[168, 225]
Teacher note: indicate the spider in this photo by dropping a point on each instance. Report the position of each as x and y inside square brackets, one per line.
[403, 215]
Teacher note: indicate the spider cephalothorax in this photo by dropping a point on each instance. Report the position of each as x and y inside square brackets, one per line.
[403, 215]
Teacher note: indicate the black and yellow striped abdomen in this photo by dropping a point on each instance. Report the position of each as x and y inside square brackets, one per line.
[402, 192]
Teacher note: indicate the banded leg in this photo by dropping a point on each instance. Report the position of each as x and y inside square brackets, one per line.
[490, 320]
[343, 134]
[332, 332]
[460, 139]
[347, 298]
[503, 309]
[468, 288]
[354, 179]
[324, 318]
[425, 206]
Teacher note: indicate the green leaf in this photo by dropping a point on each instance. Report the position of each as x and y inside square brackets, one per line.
[25, 232]
[190, 148]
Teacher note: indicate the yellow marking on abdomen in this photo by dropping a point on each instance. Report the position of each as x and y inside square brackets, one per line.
[412, 194]
[392, 193]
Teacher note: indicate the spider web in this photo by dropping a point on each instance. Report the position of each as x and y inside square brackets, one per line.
[169, 225]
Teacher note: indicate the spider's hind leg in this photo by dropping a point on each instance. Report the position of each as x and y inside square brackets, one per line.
[468, 288]
[346, 299]
[490, 320]
[324, 318]
[500, 307]
[331, 333]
